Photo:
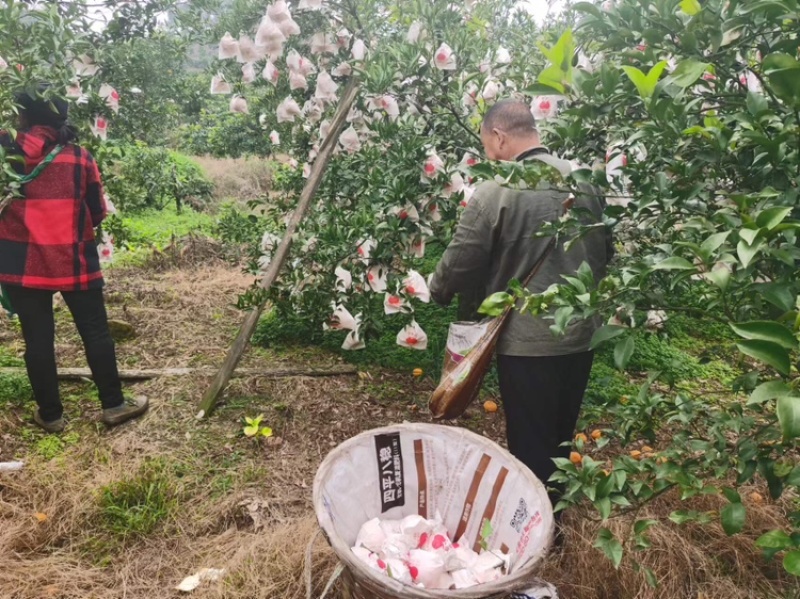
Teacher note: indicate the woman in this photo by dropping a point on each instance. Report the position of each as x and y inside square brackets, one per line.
[47, 245]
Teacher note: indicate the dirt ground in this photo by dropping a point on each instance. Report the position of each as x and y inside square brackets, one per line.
[127, 513]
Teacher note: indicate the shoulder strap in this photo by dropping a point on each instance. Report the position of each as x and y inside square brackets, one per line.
[25, 179]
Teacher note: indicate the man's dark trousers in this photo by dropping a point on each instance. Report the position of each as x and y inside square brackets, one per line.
[542, 398]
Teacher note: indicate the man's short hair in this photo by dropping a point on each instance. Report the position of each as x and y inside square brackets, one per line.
[512, 116]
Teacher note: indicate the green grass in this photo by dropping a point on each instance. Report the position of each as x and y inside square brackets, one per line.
[15, 389]
[137, 505]
[142, 231]
[51, 446]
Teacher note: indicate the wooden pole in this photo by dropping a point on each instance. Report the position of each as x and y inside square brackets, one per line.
[312, 184]
[77, 374]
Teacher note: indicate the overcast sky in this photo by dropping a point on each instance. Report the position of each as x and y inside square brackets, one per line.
[539, 8]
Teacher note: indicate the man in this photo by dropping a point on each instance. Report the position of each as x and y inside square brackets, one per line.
[542, 377]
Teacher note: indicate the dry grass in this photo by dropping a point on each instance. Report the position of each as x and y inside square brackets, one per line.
[245, 506]
[689, 561]
[242, 178]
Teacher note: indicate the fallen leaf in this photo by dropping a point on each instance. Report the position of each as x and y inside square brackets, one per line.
[40, 517]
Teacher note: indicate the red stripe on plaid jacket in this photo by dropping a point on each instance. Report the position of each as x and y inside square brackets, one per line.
[47, 238]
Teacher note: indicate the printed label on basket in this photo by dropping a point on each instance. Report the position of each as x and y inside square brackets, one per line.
[422, 478]
[391, 484]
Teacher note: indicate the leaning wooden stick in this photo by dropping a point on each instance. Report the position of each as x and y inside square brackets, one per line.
[315, 178]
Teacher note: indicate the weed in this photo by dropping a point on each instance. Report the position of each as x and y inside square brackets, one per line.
[15, 389]
[137, 505]
[9, 358]
[51, 446]
[607, 384]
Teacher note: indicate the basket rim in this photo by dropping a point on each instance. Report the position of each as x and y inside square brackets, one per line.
[508, 584]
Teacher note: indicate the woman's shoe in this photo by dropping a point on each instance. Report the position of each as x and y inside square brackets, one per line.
[54, 426]
[130, 408]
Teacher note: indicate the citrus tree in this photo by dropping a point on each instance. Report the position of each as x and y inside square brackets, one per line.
[39, 44]
[427, 70]
[696, 108]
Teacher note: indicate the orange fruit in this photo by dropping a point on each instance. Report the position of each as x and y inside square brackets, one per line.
[40, 517]
[581, 437]
[490, 406]
[756, 497]
[596, 434]
[636, 454]
[417, 372]
[575, 458]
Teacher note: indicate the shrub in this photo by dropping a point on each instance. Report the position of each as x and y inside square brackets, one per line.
[222, 134]
[149, 177]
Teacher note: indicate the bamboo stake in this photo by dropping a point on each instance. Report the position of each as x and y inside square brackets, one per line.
[312, 184]
[77, 374]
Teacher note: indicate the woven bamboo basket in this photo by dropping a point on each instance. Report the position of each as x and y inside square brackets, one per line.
[444, 469]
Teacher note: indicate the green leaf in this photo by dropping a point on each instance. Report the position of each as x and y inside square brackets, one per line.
[767, 330]
[674, 263]
[732, 496]
[650, 577]
[687, 72]
[558, 74]
[588, 7]
[769, 390]
[641, 526]
[733, 516]
[749, 235]
[623, 351]
[791, 562]
[780, 295]
[720, 277]
[645, 84]
[783, 72]
[605, 333]
[767, 352]
[794, 477]
[713, 243]
[604, 507]
[756, 103]
[682, 516]
[251, 431]
[610, 546]
[772, 217]
[691, 7]
[774, 539]
[747, 252]
[266, 432]
[486, 532]
[495, 304]
[788, 411]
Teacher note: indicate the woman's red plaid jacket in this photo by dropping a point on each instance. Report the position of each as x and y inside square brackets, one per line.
[47, 238]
